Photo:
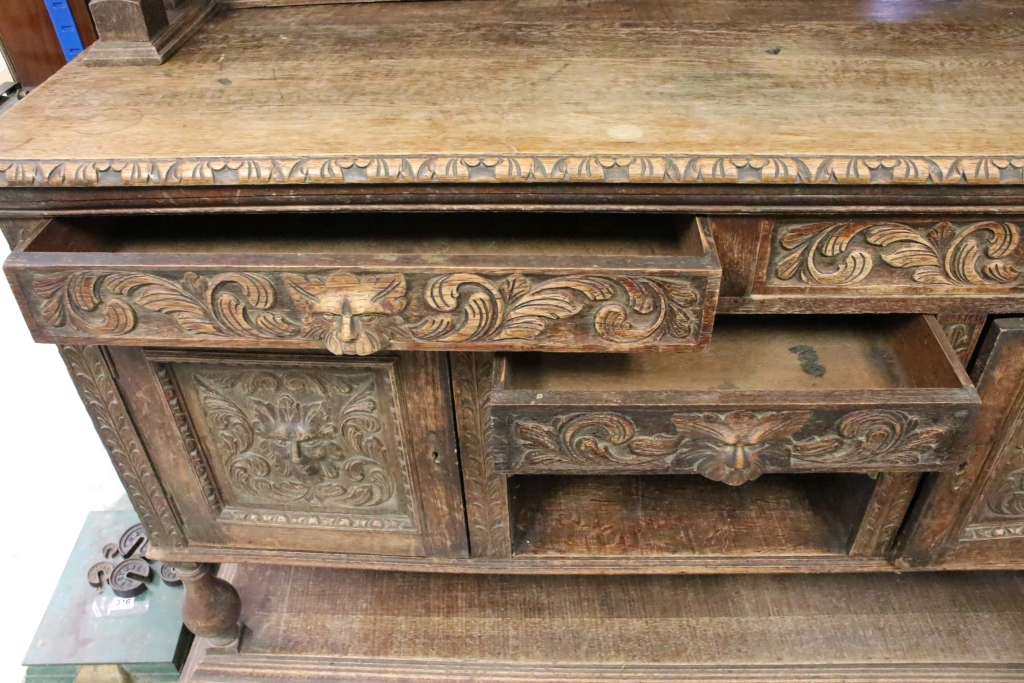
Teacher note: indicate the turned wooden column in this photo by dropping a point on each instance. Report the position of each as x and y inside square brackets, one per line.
[212, 606]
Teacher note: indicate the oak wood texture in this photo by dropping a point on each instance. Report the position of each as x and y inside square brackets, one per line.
[884, 514]
[974, 515]
[804, 394]
[963, 330]
[870, 264]
[143, 32]
[324, 625]
[569, 282]
[807, 514]
[605, 91]
[212, 607]
[485, 490]
[287, 452]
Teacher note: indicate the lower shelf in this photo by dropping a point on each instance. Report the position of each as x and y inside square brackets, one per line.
[307, 624]
[680, 515]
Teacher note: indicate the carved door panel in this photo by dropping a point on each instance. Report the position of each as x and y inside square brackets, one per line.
[974, 516]
[302, 452]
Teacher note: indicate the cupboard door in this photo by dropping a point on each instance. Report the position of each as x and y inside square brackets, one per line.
[974, 516]
[302, 452]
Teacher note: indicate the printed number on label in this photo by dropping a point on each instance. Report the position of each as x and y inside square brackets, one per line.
[121, 603]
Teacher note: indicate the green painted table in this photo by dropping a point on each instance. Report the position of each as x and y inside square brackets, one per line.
[142, 640]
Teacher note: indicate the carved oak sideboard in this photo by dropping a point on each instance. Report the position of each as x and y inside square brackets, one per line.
[336, 297]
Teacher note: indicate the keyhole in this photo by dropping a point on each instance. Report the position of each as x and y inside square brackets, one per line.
[437, 458]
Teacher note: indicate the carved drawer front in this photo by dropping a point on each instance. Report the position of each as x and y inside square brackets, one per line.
[302, 452]
[773, 394]
[830, 264]
[358, 284]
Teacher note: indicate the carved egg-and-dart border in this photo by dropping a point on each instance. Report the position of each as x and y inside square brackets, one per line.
[359, 314]
[744, 167]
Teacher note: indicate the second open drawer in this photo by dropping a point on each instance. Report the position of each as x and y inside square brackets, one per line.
[773, 394]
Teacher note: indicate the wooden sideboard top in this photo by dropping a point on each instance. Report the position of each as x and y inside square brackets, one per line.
[780, 91]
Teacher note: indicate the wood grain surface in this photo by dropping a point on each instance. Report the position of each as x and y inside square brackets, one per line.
[542, 90]
[344, 625]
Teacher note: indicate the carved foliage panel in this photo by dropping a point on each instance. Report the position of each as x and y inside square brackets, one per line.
[1001, 513]
[303, 443]
[925, 256]
[731, 446]
[360, 313]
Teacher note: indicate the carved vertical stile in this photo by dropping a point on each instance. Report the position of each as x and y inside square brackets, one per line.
[196, 457]
[952, 506]
[93, 377]
[485, 490]
[884, 514]
[963, 331]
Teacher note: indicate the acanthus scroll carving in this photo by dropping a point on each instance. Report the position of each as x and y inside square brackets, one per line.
[732, 447]
[296, 438]
[981, 254]
[364, 313]
[1005, 501]
[198, 305]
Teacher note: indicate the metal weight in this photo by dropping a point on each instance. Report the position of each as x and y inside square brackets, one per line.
[170, 575]
[99, 574]
[129, 577]
[134, 542]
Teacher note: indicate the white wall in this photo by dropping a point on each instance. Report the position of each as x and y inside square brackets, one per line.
[53, 470]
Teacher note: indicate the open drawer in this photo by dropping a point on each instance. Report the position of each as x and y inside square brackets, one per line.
[360, 283]
[772, 394]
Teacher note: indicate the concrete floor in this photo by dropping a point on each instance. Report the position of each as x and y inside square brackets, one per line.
[54, 471]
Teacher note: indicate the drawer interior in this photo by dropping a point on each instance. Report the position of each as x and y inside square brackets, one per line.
[442, 234]
[758, 353]
[680, 515]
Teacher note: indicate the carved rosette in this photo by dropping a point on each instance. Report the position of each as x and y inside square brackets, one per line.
[984, 254]
[732, 447]
[364, 313]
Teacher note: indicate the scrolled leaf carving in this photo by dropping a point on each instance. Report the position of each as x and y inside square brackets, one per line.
[289, 449]
[229, 305]
[892, 436]
[361, 314]
[732, 447]
[981, 254]
[473, 308]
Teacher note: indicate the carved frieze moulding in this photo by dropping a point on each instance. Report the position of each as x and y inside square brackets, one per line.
[733, 447]
[983, 255]
[361, 313]
[316, 447]
[518, 168]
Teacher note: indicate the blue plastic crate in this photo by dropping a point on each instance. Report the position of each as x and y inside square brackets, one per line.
[67, 30]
